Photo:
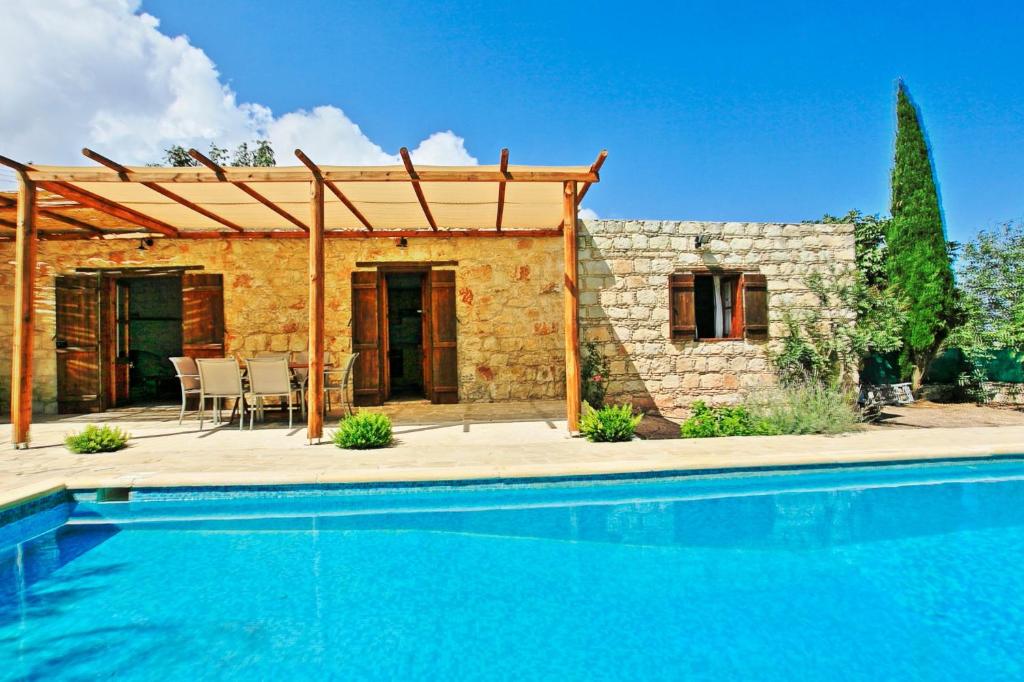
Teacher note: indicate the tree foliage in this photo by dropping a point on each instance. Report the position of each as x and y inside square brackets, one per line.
[822, 346]
[991, 278]
[918, 259]
[260, 153]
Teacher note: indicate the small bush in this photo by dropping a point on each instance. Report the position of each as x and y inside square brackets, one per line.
[808, 407]
[594, 370]
[96, 439]
[610, 424]
[714, 422]
[363, 431]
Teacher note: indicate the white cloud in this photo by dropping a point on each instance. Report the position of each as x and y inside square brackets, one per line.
[99, 73]
[587, 214]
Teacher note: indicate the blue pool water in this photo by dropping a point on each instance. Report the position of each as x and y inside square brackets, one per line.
[912, 572]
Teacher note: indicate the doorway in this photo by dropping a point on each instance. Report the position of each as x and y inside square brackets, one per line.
[405, 332]
[117, 329]
[149, 332]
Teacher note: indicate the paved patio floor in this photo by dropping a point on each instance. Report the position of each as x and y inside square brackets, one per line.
[452, 442]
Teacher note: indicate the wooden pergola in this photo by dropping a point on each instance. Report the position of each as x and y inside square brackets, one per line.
[209, 201]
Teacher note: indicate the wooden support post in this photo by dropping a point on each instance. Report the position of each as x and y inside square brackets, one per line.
[571, 308]
[24, 312]
[315, 388]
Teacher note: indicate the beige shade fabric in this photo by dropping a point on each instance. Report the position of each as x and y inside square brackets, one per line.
[534, 201]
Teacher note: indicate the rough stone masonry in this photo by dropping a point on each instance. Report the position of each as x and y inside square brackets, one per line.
[509, 303]
[624, 302]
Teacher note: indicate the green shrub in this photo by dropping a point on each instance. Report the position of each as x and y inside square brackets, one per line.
[96, 439]
[594, 370]
[714, 422]
[363, 431]
[610, 424]
[807, 407]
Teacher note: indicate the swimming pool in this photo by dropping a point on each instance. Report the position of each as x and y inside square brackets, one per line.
[858, 573]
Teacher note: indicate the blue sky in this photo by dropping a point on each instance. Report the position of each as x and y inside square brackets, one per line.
[741, 111]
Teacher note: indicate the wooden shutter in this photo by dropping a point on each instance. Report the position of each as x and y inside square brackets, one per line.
[202, 312]
[682, 321]
[79, 385]
[444, 369]
[755, 306]
[366, 339]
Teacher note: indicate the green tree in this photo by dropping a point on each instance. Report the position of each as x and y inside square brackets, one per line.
[178, 156]
[259, 154]
[918, 261]
[991, 276]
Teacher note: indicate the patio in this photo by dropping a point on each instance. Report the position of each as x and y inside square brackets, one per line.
[188, 218]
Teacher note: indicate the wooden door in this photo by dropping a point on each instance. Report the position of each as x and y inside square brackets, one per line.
[79, 374]
[444, 367]
[202, 312]
[367, 340]
[114, 340]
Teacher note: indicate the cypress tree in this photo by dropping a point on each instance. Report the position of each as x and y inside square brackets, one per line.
[918, 257]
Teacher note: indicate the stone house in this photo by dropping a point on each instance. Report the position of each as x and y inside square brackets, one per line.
[681, 310]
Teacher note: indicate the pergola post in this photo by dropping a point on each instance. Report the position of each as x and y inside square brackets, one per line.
[571, 308]
[24, 312]
[315, 387]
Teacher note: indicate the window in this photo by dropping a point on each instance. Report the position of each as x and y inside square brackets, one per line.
[713, 308]
[709, 305]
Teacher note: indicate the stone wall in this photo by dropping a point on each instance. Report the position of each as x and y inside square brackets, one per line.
[624, 302]
[510, 343]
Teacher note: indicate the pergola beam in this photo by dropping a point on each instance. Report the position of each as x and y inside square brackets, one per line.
[221, 175]
[595, 170]
[414, 177]
[52, 215]
[368, 174]
[317, 173]
[24, 312]
[90, 200]
[501, 189]
[294, 234]
[125, 174]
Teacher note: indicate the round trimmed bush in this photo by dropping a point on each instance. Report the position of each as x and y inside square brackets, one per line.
[94, 439]
[363, 431]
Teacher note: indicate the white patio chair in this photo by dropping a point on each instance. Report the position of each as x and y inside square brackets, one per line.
[220, 378]
[300, 377]
[269, 378]
[337, 379]
[188, 375]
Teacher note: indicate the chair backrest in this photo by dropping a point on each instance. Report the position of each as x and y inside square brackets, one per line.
[348, 369]
[220, 376]
[187, 372]
[269, 376]
[301, 357]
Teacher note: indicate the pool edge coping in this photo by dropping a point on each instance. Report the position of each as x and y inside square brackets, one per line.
[425, 477]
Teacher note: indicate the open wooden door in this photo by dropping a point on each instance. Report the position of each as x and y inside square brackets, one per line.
[115, 340]
[79, 373]
[202, 311]
[367, 374]
[444, 366]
